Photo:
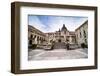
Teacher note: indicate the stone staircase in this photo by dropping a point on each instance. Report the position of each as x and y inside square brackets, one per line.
[59, 45]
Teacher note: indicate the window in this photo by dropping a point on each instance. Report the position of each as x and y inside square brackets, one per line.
[85, 40]
[84, 34]
[64, 32]
[31, 36]
[80, 35]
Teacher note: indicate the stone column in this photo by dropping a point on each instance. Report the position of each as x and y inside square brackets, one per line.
[35, 40]
[39, 40]
[70, 39]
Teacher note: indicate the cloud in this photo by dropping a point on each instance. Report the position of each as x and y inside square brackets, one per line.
[53, 23]
[34, 21]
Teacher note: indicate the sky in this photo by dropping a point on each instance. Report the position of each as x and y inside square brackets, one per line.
[47, 23]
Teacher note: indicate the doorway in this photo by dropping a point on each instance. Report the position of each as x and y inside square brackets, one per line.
[59, 40]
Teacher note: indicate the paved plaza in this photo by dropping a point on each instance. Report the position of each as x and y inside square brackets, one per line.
[57, 54]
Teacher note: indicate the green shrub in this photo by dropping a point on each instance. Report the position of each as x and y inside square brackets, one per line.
[83, 45]
[52, 47]
[33, 46]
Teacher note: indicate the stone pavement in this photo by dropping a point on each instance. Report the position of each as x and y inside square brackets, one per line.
[57, 54]
[59, 45]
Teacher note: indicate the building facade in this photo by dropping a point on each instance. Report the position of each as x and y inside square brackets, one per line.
[62, 35]
[79, 36]
[82, 34]
[35, 36]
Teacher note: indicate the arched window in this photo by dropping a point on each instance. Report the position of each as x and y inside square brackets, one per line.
[80, 35]
[30, 42]
[84, 34]
[31, 36]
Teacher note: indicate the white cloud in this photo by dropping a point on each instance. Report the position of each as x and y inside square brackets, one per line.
[37, 24]
[54, 23]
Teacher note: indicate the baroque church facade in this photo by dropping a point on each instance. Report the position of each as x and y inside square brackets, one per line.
[62, 35]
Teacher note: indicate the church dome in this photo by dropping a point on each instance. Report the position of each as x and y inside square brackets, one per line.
[64, 28]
